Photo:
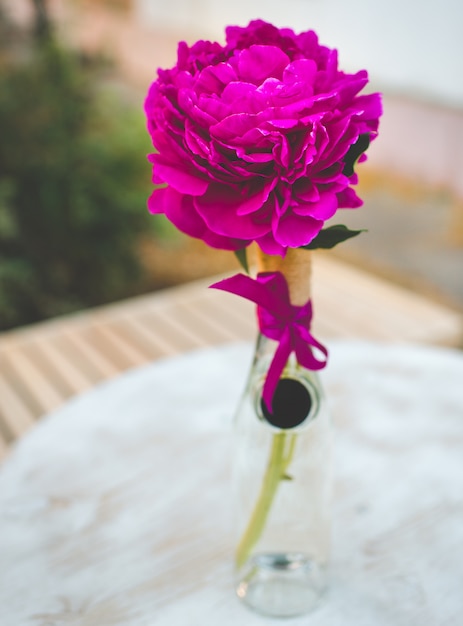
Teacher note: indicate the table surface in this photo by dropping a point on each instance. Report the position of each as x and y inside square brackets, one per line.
[114, 510]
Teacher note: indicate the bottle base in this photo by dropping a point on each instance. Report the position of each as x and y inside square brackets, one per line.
[281, 585]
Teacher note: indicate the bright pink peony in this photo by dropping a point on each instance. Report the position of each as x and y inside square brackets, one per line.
[255, 139]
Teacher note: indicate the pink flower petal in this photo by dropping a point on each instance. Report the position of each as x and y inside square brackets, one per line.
[220, 208]
[214, 79]
[156, 201]
[324, 208]
[348, 199]
[268, 245]
[196, 142]
[305, 191]
[235, 125]
[179, 209]
[257, 63]
[302, 70]
[293, 231]
[242, 96]
[180, 179]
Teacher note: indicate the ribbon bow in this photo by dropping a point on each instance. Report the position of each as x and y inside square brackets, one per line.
[279, 320]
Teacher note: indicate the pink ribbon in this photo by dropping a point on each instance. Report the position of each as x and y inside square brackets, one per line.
[278, 320]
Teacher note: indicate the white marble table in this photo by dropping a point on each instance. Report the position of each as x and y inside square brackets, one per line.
[114, 511]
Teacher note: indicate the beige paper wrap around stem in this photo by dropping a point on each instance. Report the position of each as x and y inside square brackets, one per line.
[295, 267]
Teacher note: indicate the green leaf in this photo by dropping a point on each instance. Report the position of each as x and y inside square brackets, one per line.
[287, 477]
[331, 236]
[354, 152]
[242, 259]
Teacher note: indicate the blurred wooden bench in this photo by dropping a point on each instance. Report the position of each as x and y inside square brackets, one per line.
[43, 365]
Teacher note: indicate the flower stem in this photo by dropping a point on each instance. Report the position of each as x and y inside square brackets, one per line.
[275, 472]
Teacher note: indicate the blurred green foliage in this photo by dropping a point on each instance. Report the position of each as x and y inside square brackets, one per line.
[73, 186]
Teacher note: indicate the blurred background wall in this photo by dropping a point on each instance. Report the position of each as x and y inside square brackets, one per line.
[412, 183]
[414, 46]
[413, 50]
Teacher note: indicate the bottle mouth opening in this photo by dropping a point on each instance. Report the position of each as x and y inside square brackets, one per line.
[294, 404]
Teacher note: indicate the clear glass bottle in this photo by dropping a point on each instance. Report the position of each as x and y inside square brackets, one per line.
[282, 490]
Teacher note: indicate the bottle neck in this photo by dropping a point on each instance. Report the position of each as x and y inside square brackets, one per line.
[298, 395]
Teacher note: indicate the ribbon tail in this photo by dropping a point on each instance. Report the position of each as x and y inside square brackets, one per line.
[304, 352]
[280, 358]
